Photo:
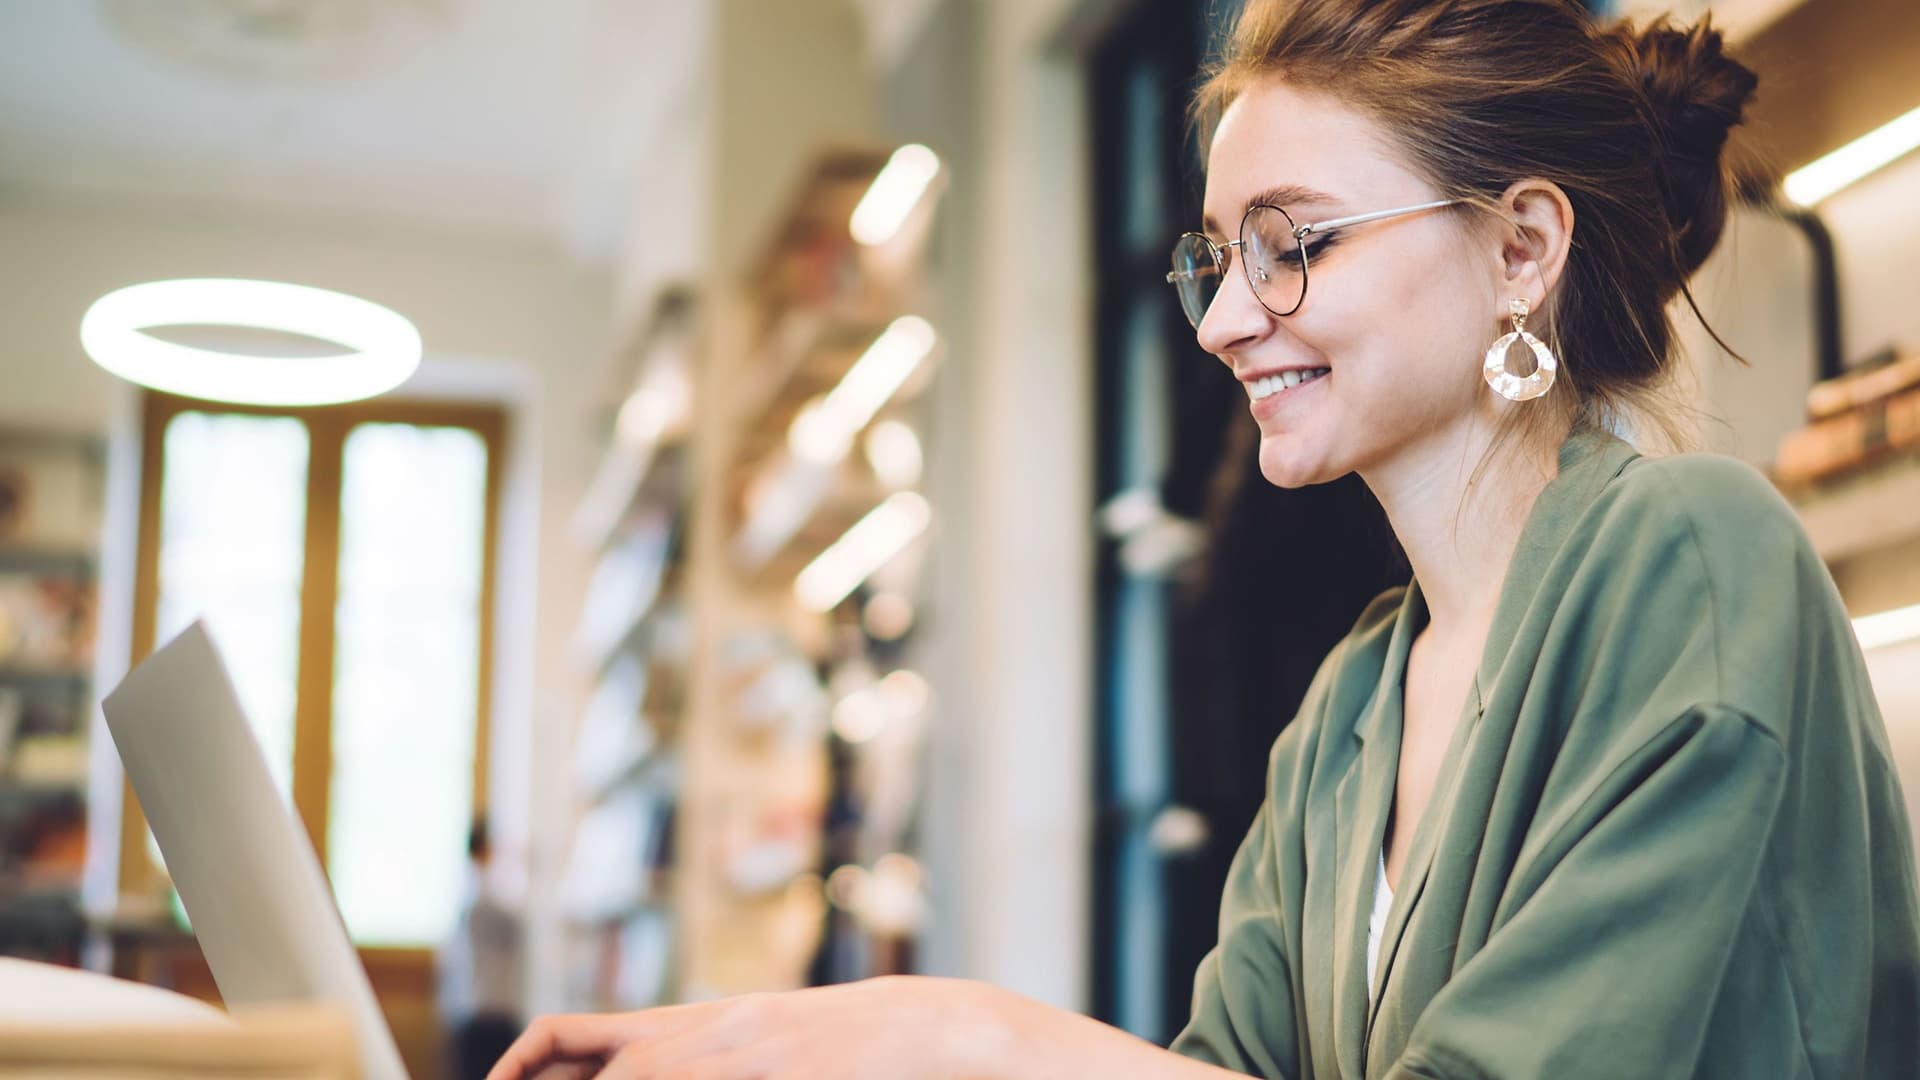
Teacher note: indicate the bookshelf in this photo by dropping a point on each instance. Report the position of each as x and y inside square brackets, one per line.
[1862, 511]
[801, 748]
[51, 497]
[634, 635]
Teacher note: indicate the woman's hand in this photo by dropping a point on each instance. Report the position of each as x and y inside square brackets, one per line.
[896, 1028]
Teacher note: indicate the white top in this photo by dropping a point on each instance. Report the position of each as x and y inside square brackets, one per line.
[482, 965]
[1377, 922]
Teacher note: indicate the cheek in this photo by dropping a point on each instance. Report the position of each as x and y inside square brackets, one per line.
[1405, 339]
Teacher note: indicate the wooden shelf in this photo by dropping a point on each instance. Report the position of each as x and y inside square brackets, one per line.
[45, 677]
[67, 442]
[848, 496]
[1862, 511]
[627, 479]
[638, 636]
[32, 791]
[797, 265]
[33, 558]
[801, 358]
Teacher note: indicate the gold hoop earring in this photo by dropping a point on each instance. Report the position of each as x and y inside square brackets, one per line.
[1506, 383]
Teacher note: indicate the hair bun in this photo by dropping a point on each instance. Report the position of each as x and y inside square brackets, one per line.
[1695, 94]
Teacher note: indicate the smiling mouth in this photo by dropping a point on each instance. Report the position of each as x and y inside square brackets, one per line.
[1261, 389]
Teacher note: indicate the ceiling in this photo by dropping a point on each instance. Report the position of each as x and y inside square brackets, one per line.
[494, 117]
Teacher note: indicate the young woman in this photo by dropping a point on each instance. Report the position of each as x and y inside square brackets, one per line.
[1604, 792]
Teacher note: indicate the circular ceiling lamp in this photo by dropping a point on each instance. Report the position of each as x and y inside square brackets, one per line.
[383, 348]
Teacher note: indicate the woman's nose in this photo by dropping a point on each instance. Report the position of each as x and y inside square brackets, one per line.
[1235, 318]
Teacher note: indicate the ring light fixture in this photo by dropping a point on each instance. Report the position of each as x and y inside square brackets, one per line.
[383, 347]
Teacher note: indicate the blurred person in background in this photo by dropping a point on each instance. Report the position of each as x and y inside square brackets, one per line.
[1604, 792]
[481, 970]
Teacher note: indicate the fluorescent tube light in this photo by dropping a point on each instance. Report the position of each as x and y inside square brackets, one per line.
[893, 194]
[824, 430]
[383, 347]
[869, 545]
[817, 436]
[1882, 146]
[1887, 628]
[881, 370]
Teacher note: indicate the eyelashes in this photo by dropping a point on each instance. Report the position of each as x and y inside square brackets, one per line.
[1314, 247]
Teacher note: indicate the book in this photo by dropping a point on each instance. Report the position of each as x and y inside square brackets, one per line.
[1887, 373]
[1849, 439]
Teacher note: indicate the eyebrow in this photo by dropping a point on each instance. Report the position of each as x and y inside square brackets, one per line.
[1283, 196]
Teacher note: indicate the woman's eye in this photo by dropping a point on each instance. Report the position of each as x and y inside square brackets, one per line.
[1308, 251]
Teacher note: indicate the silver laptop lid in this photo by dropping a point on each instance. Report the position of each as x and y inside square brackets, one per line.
[244, 868]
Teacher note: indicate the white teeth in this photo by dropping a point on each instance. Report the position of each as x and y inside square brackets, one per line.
[1286, 380]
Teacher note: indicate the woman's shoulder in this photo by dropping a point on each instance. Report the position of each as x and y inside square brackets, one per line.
[1724, 512]
[1702, 548]
[1721, 500]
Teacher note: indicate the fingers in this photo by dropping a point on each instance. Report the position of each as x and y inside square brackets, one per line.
[644, 1044]
[565, 1041]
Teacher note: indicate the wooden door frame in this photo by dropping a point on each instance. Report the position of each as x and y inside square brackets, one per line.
[327, 428]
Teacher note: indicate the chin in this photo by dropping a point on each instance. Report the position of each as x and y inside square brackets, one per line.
[1295, 466]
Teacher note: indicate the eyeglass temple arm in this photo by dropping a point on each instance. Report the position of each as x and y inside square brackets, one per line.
[1361, 219]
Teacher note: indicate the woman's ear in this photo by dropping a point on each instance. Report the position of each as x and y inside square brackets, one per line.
[1534, 239]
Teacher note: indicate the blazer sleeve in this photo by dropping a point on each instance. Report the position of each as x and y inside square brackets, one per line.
[1246, 1016]
[1243, 1008]
[1611, 967]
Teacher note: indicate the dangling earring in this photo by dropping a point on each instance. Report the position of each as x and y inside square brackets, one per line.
[1506, 383]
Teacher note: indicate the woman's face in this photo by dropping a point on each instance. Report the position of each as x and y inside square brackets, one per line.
[1397, 312]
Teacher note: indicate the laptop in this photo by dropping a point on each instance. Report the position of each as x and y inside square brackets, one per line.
[244, 868]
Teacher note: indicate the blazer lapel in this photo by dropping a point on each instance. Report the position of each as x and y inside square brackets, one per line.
[1362, 802]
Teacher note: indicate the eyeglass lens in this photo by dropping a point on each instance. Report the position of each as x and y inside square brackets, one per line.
[1268, 253]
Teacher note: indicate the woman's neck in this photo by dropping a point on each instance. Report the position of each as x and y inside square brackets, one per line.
[1458, 515]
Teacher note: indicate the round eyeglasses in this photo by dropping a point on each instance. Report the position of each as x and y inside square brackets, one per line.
[1274, 254]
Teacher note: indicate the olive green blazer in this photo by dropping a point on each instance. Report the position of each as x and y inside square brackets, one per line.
[1667, 839]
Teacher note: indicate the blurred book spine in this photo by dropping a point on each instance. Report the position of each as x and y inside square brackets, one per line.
[1885, 374]
[1856, 437]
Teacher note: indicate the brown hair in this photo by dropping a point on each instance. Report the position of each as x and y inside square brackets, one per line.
[1481, 93]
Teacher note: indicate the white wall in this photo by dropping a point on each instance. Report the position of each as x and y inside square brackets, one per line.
[1757, 291]
[515, 323]
[1024, 523]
